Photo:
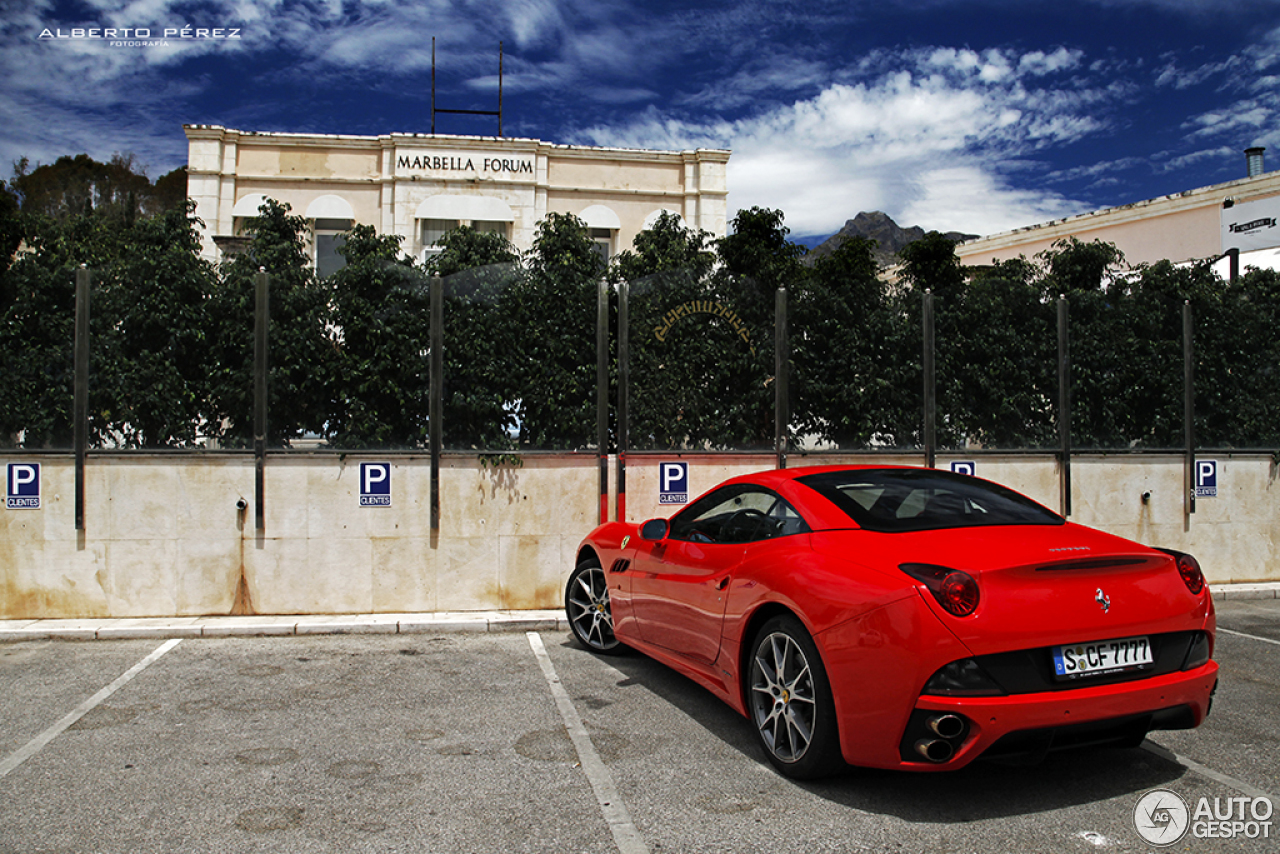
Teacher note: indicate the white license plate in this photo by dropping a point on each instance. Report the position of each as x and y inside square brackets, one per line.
[1101, 657]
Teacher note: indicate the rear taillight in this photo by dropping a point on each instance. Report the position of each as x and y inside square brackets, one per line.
[1189, 569]
[955, 590]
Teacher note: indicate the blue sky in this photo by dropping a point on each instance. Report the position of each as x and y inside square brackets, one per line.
[972, 115]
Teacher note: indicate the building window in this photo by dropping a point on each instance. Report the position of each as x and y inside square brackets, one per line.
[491, 227]
[603, 240]
[329, 236]
[432, 231]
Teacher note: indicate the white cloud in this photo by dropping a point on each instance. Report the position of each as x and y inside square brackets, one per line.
[929, 141]
[971, 199]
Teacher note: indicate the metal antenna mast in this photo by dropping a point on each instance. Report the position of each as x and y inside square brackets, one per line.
[435, 110]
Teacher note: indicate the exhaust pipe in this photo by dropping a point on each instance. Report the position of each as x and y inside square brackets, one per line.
[935, 750]
[946, 726]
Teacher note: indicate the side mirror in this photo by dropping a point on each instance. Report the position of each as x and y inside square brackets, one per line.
[654, 529]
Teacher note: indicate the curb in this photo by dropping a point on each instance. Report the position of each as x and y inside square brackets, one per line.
[1270, 590]
[476, 622]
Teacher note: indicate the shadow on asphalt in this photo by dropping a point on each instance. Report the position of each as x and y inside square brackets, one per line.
[980, 791]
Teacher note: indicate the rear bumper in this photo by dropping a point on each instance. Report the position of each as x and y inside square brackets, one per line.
[1031, 724]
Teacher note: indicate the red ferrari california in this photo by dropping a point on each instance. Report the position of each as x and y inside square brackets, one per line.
[908, 618]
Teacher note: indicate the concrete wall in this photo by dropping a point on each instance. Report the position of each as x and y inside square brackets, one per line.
[163, 536]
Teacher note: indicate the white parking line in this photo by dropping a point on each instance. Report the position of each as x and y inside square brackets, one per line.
[1250, 637]
[35, 745]
[1208, 773]
[625, 835]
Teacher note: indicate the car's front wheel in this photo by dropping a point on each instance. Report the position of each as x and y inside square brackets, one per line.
[790, 701]
[586, 603]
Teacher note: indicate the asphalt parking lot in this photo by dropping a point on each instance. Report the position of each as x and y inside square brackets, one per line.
[515, 742]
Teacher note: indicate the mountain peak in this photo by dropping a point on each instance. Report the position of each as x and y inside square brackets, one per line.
[890, 237]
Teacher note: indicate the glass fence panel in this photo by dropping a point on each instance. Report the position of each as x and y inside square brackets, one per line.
[520, 361]
[700, 363]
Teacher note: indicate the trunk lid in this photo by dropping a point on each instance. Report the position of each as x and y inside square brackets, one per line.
[1055, 585]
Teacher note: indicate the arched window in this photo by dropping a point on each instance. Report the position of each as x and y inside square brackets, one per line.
[604, 225]
[330, 216]
[440, 214]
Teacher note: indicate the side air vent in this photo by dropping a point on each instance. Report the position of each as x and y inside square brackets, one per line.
[620, 565]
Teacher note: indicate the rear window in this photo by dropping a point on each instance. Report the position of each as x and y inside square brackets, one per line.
[894, 500]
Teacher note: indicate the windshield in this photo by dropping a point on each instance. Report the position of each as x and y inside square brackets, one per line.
[893, 500]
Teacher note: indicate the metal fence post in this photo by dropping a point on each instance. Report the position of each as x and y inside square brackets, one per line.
[435, 395]
[624, 396]
[80, 394]
[602, 394]
[1189, 406]
[1064, 403]
[261, 321]
[930, 383]
[781, 376]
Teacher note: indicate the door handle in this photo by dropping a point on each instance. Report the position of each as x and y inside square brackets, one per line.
[722, 583]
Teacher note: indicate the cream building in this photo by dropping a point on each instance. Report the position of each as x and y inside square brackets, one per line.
[419, 186]
[1194, 225]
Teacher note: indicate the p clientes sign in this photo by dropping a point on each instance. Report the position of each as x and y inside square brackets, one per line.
[375, 484]
[22, 486]
[673, 483]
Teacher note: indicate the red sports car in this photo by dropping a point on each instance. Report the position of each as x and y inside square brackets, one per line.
[898, 617]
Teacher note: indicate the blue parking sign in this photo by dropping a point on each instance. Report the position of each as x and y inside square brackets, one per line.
[22, 486]
[1206, 478]
[673, 483]
[375, 484]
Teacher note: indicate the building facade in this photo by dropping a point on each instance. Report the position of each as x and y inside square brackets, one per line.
[419, 186]
[1195, 225]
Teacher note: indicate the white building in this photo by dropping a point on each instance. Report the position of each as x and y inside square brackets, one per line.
[1195, 225]
[419, 186]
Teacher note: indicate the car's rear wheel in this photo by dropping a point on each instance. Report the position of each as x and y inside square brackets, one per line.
[586, 603]
[790, 701]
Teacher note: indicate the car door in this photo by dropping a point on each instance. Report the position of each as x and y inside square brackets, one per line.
[679, 586]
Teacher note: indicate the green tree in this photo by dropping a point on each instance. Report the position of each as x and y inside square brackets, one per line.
[1006, 358]
[674, 399]
[381, 319]
[10, 235]
[930, 265]
[756, 259]
[1238, 369]
[147, 359]
[37, 336]
[665, 246]
[480, 339]
[119, 189]
[36, 339]
[1102, 345]
[151, 352]
[553, 314]
[300, 342]
[853, 381]
[464, 248]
